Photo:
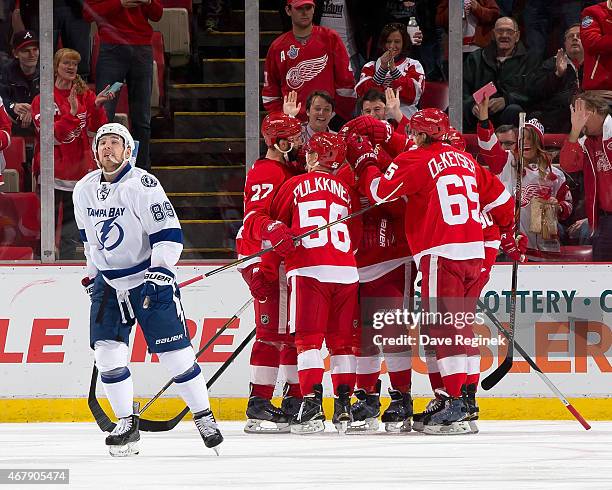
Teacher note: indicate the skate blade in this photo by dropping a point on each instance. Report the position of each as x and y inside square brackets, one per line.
[367, 426]
[398, 427]
[454, 429]
[310, 427]
[473, 427]
[418, 426]
[254, 426]
[341, 427]
[216, 450]
[129, 449]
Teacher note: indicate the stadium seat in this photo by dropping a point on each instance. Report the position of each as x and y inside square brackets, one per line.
[180, 4]
[16, 253]
[9, 180]
[20, 220]
[435, 95]
[174, 26]
[15, 157]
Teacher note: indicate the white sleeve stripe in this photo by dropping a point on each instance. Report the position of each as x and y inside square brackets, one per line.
[487, 145]
[503, 198]
[374, 189]
[247, 215]
[268, 99]
[346, 92]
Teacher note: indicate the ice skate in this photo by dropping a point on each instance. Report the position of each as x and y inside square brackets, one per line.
[207, 426]
[398, 416]
[365, 412]
[434, 405]
[342, 409]
[469, 395]
[450, 419]
[265, 418]
[310, 418]
[290, 404]
[123, 440]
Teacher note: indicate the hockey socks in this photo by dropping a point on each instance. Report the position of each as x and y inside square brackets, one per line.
[191, 385]
[264, 362]
[119, 390]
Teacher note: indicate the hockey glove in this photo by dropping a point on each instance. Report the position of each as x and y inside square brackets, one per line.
[280, 236]
[378, 132]
[359, 153]
[158, 289]
[514, 247]
[259, 285]
[88, 284]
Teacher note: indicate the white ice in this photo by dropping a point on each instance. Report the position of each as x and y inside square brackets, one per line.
[525, 454]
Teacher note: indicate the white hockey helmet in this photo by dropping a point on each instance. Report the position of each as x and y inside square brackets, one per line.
[119, 130]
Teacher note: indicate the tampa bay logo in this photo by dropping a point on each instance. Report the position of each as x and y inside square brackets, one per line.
[109, 234]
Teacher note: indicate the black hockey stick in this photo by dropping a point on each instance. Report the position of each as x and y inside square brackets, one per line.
[105, 423]
[504, 368]
[535, 367]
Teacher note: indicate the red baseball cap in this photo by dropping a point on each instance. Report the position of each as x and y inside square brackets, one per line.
[300, 3]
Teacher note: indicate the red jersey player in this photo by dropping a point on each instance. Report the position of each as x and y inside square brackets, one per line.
[306, 59]
[445, 188]
[273, 345]
[323, 280]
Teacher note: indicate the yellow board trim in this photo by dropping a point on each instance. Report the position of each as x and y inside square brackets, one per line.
[76, 410]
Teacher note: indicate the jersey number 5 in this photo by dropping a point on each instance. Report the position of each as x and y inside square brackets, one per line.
[456, 207]
[339, 232]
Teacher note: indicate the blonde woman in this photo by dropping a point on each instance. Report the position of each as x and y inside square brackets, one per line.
[541, 183]
[77, 111]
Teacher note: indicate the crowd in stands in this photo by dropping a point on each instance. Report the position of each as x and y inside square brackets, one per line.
[338, 59]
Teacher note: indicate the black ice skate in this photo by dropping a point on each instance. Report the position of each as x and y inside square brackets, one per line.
[123, 440]
[398, 416]
[342, 409]
[207, 426]
[263, 417]
[433, 406]
[290, 404]
[450, 419]
[365, 411]
[310, 418]
[469, 396]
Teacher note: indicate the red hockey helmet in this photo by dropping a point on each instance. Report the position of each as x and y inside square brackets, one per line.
[455, 139]
[331, 149]
[432, 122]
[277, 126]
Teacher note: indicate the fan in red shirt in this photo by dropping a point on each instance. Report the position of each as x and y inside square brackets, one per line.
[445, 188]
[5, 136]
[273, 345]
[323, 280]
[306, 59]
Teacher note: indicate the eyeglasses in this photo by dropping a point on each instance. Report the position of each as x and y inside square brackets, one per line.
[504, 31]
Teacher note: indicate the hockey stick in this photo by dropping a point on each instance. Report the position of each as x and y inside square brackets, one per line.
[495, 377]
[105, 423]
[536, 368]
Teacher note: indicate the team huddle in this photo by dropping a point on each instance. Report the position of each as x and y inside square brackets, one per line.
[423, 204]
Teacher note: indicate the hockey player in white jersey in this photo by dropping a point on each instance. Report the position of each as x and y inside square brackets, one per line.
[133, 241]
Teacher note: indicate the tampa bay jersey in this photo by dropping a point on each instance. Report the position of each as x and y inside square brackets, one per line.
[127, 226]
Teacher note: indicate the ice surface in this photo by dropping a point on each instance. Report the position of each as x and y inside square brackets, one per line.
[517, 454]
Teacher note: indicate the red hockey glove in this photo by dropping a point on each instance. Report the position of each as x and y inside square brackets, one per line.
[377, 132]
[514, 247]
[359, 153]
[280, 236]
[88, 285]
[259, 285]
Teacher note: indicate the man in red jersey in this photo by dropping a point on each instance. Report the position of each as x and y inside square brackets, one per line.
[306, 59]
[445, 188]
[273, 345]
[323, 280]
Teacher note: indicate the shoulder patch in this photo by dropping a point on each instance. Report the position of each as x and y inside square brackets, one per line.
[148, 181]
[587, 21]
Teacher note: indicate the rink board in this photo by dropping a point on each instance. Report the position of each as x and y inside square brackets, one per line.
[45, 359]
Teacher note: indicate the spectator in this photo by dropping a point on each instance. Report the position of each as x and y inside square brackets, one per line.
[126, 54]
[506, 136]
[506, 63]
[394, 69]
[479, 17]
[20, 81]
[77, 110]
[540, 15]
[25, 15]
[553, 85]
[306, 59]
[596, 32]
[383, 106]
[5, 136]
[544, 191]
[68, 23]
[592, 154]
[5, 16]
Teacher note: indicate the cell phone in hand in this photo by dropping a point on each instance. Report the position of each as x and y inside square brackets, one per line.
[115, 87]
[487, 91]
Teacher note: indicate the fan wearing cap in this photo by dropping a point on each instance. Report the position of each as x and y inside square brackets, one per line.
[20, 81]
[322, 272]
[446, 189]
[273, 347]
[542, 184]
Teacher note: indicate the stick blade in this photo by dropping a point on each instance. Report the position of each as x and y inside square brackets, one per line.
[496, 376]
